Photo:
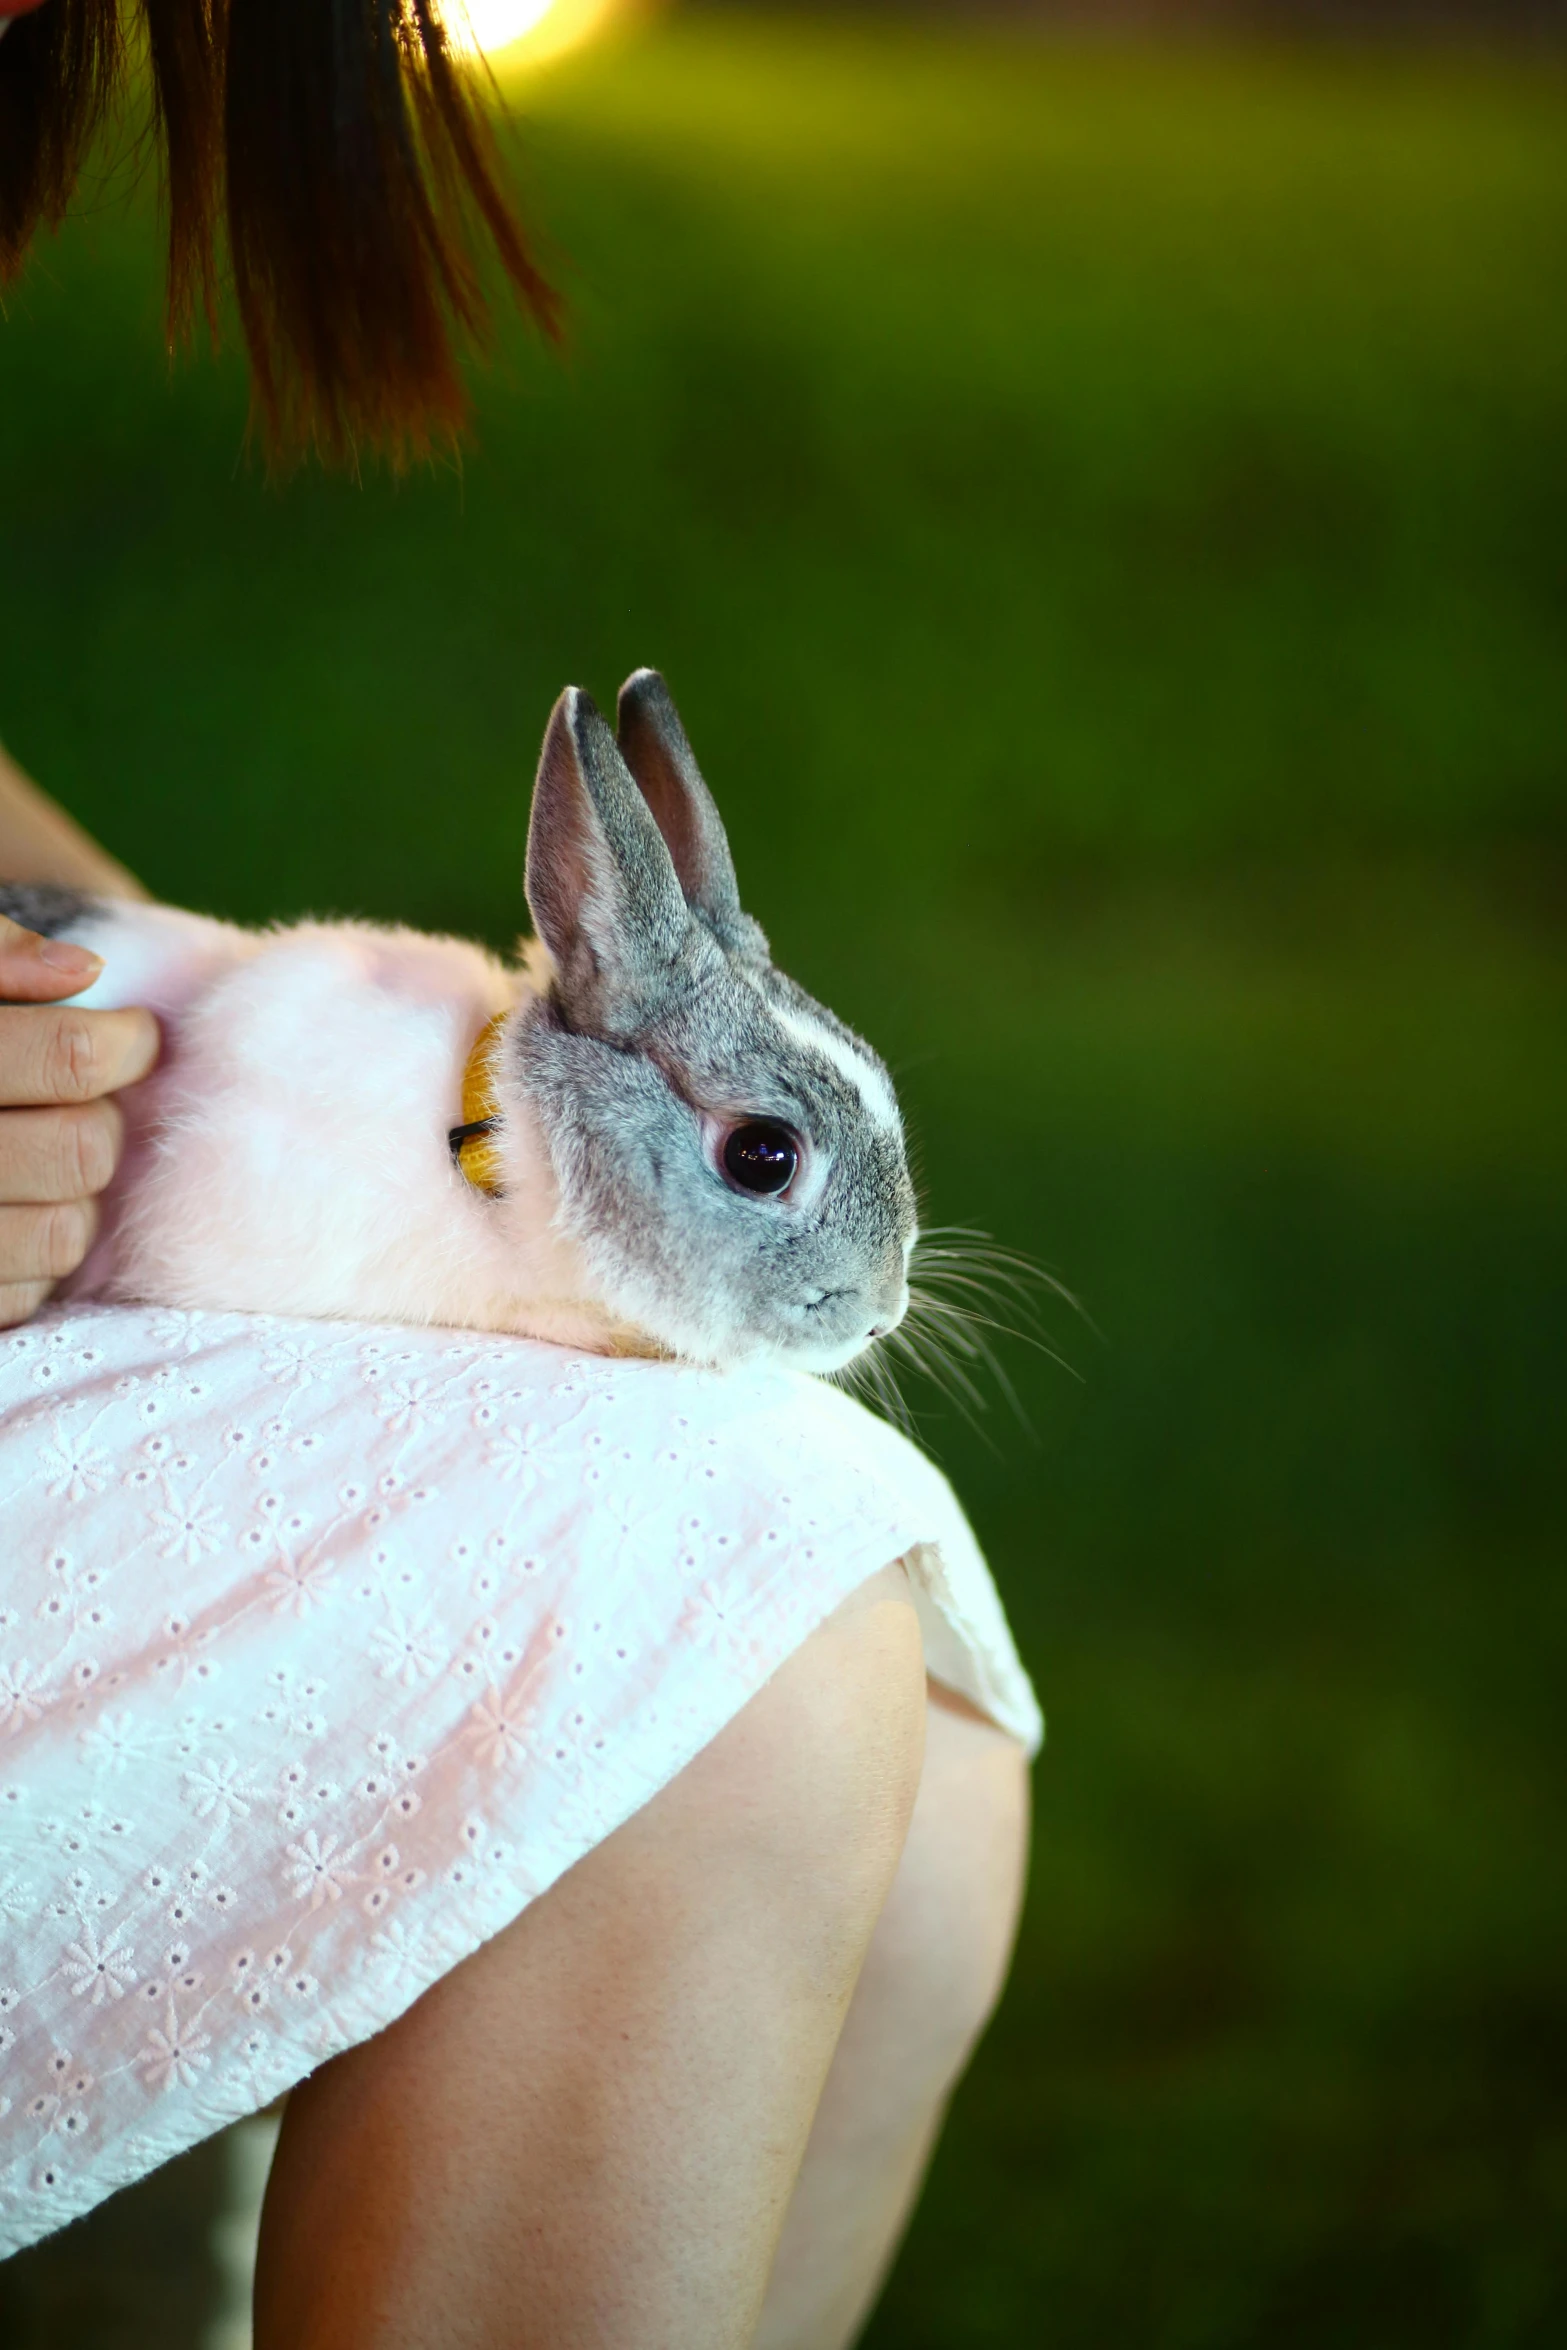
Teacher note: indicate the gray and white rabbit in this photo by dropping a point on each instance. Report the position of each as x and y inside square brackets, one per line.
[641, 1139]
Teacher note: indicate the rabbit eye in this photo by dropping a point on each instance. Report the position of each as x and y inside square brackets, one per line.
[761, 1157]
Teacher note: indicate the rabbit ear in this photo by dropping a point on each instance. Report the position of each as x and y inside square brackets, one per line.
[601, 888]
[653, 744]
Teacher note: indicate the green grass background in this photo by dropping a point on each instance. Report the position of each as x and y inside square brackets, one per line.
[1104, 514]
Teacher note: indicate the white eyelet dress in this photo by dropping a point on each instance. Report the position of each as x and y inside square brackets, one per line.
[324, 1649]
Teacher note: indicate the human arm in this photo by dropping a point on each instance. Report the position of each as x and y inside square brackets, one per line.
[60, 1130]
[39, 842]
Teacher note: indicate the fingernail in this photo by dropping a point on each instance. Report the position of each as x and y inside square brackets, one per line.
[75, 962]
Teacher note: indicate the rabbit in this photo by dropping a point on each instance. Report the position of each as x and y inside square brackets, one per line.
[639, 1139]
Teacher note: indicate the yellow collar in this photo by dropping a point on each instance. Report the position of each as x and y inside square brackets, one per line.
[475, 1152]
[472, 1144]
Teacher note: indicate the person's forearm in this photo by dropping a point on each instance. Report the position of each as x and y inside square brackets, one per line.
[39, 842]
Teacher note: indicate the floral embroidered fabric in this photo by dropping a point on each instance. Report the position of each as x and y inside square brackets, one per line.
[324, 1649]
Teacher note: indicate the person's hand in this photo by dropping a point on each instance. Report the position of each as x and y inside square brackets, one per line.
[60, 1133]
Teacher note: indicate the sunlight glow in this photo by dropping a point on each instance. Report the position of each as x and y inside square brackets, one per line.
[491, 25]
[516, 30]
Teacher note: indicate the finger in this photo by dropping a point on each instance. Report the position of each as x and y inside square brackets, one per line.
[20, 1300]
[35, 970]
[59, 1154]
[44, 1244]
[49, 1055]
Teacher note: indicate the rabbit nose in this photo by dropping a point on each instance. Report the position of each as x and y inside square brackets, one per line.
[891, 1311]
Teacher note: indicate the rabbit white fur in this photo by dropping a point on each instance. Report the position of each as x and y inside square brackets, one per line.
[289, 1154]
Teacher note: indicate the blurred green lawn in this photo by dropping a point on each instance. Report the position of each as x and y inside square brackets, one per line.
[1104, 514]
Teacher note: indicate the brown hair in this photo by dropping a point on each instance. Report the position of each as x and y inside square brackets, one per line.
[353, 163]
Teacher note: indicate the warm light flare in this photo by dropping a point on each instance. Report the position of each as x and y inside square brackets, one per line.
[508, 30]
[491, 25]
